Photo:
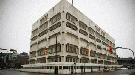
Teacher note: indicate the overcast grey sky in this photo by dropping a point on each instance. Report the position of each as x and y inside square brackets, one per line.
[116, 17]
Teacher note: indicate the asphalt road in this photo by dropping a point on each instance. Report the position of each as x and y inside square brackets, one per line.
[119, 72]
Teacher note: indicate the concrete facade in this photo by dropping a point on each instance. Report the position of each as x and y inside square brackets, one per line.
[77, 38]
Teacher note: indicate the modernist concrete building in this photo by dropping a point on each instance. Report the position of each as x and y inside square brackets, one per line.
[66, 38]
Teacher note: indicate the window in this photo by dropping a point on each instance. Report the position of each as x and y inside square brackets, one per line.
[92, 45]
[71, 48]
[113, 45]
[107, 41]
[103, 38]
[97, 28]
[52, 48]
[83, 32]
[84, 40]
[32, 61]
[97, 35]
[35, 32]
[102, 33]
[98, 40]
[104, 48]
[91, 36]
[92, 53]
[103, 56]
[51, 59]
[54, 35]
[43, 26]
[84, 60]
[43, 40]
[34, 38]
[33, 54]
[41, 60]
[98, 55]
[98, 47]
[100, 61]
[91, 31]
[60, 67]
[84, 51]
[55, 18]
[43, 32]
[65, 67]
[71, 18]
[71, 26]
[68, 59]
[82, 25]
[44, 19]
[55, 26]
[108, 57]
[41, 51]
[103, 43]
[94, 61]
[34, 44]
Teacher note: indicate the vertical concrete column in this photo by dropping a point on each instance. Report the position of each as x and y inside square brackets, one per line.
[48, 34]
[77, 24]
[63, 34]
[63, 49]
